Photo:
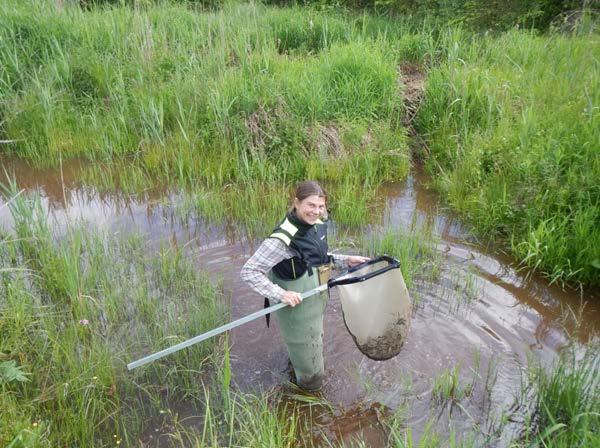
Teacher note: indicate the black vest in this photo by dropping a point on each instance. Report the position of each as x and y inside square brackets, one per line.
[308, 242]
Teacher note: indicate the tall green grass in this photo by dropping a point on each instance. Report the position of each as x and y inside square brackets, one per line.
[567, 399]
[74, 308]
[514, 131]
[250, 94]
[236, 104]
[416, 250]
[243, 93]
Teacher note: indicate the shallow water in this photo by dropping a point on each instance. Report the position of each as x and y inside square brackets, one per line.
[480, 314]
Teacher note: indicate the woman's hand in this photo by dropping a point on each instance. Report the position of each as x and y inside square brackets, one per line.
[356, 259]
[291, 298]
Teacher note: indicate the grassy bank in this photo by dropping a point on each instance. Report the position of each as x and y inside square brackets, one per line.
[514, 135]
[243, 94]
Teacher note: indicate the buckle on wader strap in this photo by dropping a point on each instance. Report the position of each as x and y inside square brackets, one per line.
[324, 272]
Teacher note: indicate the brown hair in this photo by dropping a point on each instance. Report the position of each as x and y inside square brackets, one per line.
[308, 188]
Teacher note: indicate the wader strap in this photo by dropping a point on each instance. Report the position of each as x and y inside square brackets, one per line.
[267, 316]
[308, 265]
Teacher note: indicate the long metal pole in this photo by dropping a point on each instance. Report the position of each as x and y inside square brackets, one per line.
[219, 330]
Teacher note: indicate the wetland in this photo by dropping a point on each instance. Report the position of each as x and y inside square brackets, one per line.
[148, 148]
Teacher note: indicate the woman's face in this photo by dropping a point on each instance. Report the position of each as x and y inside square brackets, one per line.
[310, 208]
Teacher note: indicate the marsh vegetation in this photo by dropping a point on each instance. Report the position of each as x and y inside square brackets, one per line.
[224, 109]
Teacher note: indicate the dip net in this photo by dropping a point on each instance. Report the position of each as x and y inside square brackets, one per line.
[376, 306]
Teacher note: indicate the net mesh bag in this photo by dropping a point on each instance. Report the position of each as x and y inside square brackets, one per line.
[376, 307]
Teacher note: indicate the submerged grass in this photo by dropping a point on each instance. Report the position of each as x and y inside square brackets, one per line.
[447, 386]
[557, 407]
[416, 250]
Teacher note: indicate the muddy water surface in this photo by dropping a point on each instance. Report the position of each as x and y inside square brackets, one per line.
[478, 315]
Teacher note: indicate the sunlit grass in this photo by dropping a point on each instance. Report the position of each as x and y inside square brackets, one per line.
[512, 124]
[168, 94]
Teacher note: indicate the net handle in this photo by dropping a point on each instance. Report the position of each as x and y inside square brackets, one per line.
[392, 264]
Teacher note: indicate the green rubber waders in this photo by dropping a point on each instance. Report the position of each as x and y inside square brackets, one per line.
[302, 330]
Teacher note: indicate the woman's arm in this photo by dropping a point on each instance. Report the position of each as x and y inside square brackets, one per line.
[268, 254]
[347, 261]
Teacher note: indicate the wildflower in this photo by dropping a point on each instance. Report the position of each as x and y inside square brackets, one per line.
[94, 378]
[35, 424]
[84, 322]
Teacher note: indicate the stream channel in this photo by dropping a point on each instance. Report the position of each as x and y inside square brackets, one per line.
[479, 314]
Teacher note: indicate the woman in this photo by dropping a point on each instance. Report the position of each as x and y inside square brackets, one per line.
[292, 260]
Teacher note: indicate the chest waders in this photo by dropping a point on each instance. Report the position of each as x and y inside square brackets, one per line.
[302, 330]
[302, 325]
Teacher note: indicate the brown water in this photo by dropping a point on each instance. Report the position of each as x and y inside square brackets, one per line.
[480, 314]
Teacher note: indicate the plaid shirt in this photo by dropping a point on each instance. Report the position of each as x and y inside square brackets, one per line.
[269, 253]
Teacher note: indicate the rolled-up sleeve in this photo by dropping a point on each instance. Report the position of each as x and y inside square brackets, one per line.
[269, 253]
[339, 261]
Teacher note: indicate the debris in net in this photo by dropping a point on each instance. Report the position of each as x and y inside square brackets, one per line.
[387, 345]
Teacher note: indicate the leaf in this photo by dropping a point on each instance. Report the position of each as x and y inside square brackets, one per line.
[551, 430]
[9, 371]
